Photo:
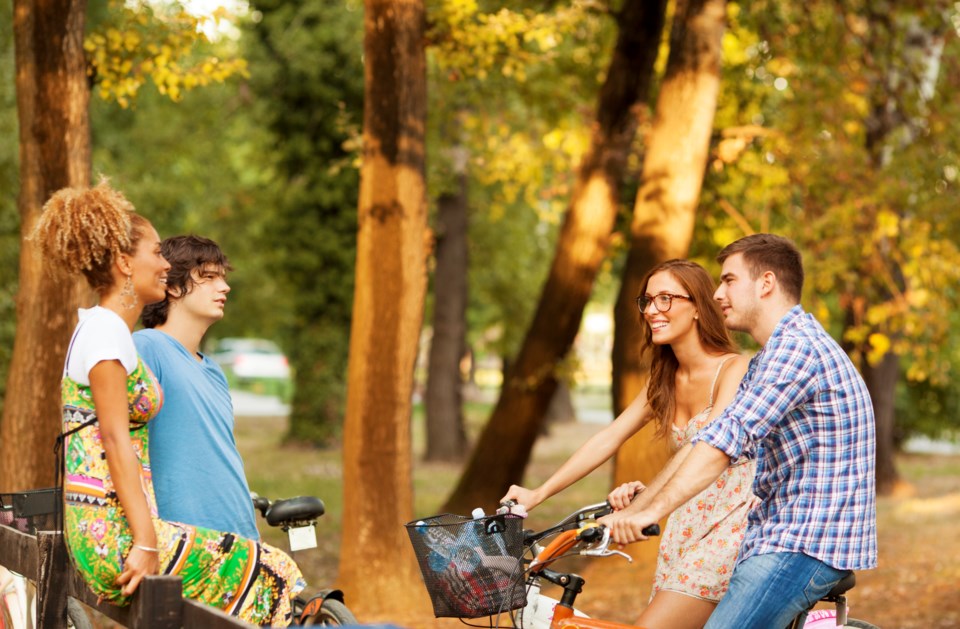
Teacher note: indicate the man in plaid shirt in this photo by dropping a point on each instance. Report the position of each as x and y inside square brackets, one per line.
[804, 412]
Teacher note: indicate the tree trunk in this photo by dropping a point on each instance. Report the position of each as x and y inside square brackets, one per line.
[916, 65]
[881, 381]
[387, 314]
[446, 436]
[663, 218]
[504, 447]
[52, 100]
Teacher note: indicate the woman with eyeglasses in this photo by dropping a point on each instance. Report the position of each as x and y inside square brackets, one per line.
[694, 374]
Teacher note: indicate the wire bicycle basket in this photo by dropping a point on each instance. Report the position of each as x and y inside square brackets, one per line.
[470, 567]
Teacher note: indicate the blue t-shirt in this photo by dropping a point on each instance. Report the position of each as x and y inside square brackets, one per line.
[197, 472]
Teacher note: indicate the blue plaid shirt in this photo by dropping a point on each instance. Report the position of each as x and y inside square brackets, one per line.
[804, 412]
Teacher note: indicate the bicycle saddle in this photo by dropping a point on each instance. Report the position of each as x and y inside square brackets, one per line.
[846, 583]
[299, 509]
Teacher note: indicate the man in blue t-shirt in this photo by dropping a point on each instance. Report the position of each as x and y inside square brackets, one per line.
[197, 472]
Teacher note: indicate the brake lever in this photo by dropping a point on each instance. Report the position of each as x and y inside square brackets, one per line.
[602, 548]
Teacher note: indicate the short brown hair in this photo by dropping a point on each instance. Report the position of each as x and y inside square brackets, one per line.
[83, 230]
[769, 252]
[185, 254]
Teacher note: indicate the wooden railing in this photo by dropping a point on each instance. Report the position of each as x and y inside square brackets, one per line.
[157, 603]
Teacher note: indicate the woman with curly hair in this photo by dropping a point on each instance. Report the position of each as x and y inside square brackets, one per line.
[112, 530]
[694, 374]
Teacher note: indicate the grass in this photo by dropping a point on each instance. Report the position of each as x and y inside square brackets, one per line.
[275, 470]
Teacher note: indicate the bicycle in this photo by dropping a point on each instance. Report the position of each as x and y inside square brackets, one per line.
[577, 534]
[297, 517]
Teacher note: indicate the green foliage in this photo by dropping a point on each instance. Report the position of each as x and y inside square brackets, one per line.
[9, 185]
[835, 129]
[513, 90]
[307, 75]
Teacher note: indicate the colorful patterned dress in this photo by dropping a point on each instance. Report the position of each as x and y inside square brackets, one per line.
[699, 545]
[250, 580]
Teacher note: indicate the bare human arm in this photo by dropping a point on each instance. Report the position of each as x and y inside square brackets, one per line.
[706, 465]
[108, 383]
[588, 457]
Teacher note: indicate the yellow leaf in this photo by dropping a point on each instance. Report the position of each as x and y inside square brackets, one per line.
[879, 346]
[888, 224]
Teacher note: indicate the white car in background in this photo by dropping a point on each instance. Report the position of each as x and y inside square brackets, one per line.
[251, 358]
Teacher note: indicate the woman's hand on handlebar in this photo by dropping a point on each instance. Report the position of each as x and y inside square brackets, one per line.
[522, 496]
[623, 495]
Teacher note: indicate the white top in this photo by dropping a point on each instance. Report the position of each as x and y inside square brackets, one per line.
[100, 335]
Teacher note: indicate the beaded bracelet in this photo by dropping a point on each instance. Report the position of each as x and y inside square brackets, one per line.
[145, 548]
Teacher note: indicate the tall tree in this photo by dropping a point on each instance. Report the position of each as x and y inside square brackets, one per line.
[863, 187]
[677, 147]
[897, 86]
[446, 435]
[52, 101]
[388, 309]
[502, 453]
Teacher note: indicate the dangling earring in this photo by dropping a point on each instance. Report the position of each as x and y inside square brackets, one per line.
[128, 296]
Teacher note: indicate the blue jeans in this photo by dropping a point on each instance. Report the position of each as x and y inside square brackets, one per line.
[768, 591]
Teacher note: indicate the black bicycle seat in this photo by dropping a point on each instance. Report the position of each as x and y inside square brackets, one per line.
[299, 509]
[846, 583]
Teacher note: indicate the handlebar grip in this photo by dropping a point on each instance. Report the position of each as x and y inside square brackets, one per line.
[261, 504]
[650, 531]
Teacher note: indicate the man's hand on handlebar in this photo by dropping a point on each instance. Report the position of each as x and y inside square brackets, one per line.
[627, 528]
[622, 496]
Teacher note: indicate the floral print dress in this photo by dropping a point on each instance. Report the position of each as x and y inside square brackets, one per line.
[244, 578]
[699, 545]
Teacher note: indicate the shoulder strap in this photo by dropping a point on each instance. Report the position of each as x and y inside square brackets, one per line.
[73, 340]
[716, 378]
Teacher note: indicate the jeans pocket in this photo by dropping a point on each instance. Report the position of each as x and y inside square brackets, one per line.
[822, 581]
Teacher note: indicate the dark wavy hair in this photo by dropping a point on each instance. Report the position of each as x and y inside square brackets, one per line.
[662, 389]
[185, 254]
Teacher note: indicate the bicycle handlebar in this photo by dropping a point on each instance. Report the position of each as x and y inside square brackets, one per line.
[574, 520]
[580, 527]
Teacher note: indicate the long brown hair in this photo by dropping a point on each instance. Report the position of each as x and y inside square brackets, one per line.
[662, 388]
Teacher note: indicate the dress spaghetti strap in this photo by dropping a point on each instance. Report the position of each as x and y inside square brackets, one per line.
[716, 377]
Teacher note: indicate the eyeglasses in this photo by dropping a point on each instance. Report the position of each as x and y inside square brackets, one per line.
[661, 302]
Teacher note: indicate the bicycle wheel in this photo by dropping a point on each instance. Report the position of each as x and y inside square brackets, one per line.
[332, 613]
[859, 624]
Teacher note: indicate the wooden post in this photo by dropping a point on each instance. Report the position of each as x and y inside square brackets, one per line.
[52, 579]
[158, 603]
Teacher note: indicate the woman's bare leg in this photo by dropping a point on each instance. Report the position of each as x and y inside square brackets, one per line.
[672, 610]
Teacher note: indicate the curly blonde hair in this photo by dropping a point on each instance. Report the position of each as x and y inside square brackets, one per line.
[83, 230]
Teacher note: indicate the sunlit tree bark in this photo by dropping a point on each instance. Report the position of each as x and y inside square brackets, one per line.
[387, 314]
[503, 450]
[663, 217]
[52, 101]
